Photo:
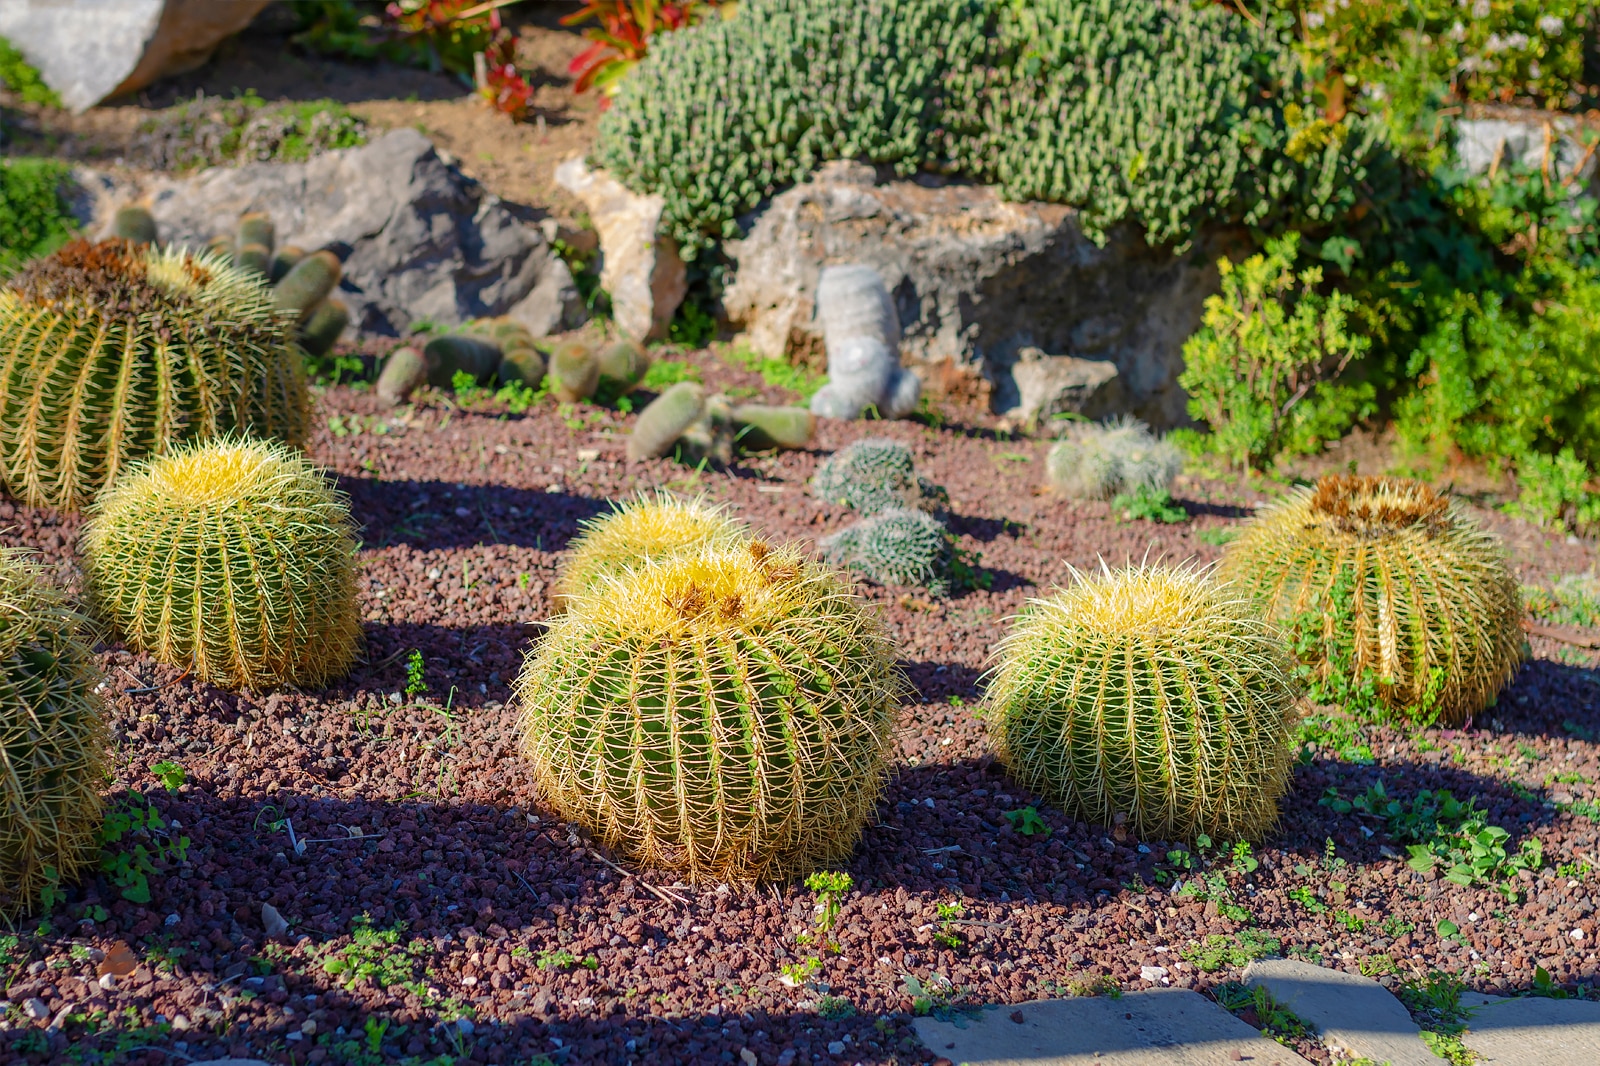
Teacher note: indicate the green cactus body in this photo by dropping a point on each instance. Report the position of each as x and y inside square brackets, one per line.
[723, 716]
[283, 261]
[325, 326]
[874, 474]
[623, 365]
[1398, 599]
[403, 372]
[308, 283]
[255, 259]
[1151, 697]
[643, 530]
[665, 419]
[709, 439]
[222, 247]
[110, 352]
[255, 227]
[1096, 461]
[524, 366]
[574, 371]
[762, 428]
[234, 558]
[54, 744]
[457, 353]
[136, 224]
[896, 546]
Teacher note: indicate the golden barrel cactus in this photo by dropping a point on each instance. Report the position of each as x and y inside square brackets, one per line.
[1399, 601]
[722, 715]
[638, 531]
[53, 739]
[233, 557]
[1151, 698]
[113, 351]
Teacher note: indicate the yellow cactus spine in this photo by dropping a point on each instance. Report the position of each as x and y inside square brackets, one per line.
[1401, 604]
[639, 531]
[53, 740]
[724, 715]
[234, 558]
[1151, 698]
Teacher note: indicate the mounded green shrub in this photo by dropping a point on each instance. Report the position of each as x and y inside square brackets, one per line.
[34, 219]
[1151, 698]
[53, 739]
[1150, 110]
[234, 558]
[724, 716]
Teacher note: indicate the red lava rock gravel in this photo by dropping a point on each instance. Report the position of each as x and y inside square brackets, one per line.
[416, 811]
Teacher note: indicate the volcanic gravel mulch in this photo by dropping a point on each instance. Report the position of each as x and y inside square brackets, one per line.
[417, 812]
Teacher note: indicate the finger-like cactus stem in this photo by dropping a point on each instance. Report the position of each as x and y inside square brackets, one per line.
[325, 326]
[623, 365]
[308, 283]
[135, 223]
[762, 427]
[574, 371]
[283, 261]
[460, 352]
[255, 259]
[255, 227]
[664, 420]
[710, 438]
[524, 366]
[403, 371]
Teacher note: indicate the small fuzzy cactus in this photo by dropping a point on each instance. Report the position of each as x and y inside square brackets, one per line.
[709, 439]
[1151, 698]
[723, 716]
[325, 326]
[404, 370]
[762, 428]
[574, 371]
[1098, 461]
[254, 259]
[135, 223]
[110, 352]
[623, 364]
[522, 366]
[255, 227]
[308, 283]
[54, 743]
[642, 530]
[874, 474]
[665, 419]
[234, 558]
[457, 353]
[283, 261]
[1400, 602]
[896, 546]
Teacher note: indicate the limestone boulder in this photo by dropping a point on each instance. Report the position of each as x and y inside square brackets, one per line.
[1551, 143]
[977, 282]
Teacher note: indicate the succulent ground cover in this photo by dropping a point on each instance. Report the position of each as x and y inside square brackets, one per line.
[437, 911]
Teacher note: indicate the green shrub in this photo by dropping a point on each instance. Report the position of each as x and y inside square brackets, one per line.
[207, 132]
[34, 220]
[23, 79]
[1266, 369]
[1146, 110]
[1553, 490]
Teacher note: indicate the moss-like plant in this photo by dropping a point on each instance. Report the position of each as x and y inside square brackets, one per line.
[1152, 698]
[234, 558]
[111, 352]
[53, 739]
[898, 546]
[1400, 601]
[874, 474]
[723, 716]
[638, 531]
[1101, 460]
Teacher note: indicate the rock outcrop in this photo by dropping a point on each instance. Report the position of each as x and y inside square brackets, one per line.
[978, 281]
[1496, 138]
[418, 238]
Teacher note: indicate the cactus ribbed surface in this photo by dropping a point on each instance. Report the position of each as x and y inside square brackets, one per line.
[896, 546]
[1398, 598]
[1151, 697]
[110, 352]
[1096, 461]
[874, 474]
[639, 531]
[724, 716]
[233, 557]
[54, 743]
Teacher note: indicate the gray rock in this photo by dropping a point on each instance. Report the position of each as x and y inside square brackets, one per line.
[1352, 1013]
[1536, 139]
[418, 238]
[974, 280]
[862, 332]
[1532, 1031]
[1049, 385]
[36, 1009]
[272, 922]
[87, 50]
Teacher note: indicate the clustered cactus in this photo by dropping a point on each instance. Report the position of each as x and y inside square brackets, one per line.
[234, 558]
[697, 427]
[53, 739]
[1151, 698]
[873, 474]
[722, 714]
[1101, 460]
[1397, 598]
[898, 541]
[111, 352]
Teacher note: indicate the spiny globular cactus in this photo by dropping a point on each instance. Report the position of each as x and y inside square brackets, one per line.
[234, 558]
[110, 352]
[723, 716]
[639, 531]
[1400, 602]
[897, 546]
[1151, 698]
[1096, 461]
[53, 739]
[873, 474]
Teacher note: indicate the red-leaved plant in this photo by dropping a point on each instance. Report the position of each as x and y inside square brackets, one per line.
[622, 36]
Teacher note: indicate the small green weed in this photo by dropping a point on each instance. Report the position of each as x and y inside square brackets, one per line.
[1306, 896]
[1240, 949]
[667, 372]
[777, 373]
[170, 774]
[1026, 821]
[154, 849]
[1337, 735]
[835, 1008]
[1272, 1018]
[949, 914]
[1217, 536]
[1574, 600]
[22, 79]
[416, 670]
[1150, 505]
[562, 959]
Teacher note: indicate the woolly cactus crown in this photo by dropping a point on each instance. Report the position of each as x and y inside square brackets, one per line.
[1096, 461]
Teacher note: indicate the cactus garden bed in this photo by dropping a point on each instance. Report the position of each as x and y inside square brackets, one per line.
[438, 912]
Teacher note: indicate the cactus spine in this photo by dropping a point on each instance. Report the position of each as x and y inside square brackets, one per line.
[724, 715]
[110, 352]
[233, 557]
[1096, 461]
[896, 546]
[1153, 696]
[873, 474]
[1400, 601]
[642, 530]
[53, 739]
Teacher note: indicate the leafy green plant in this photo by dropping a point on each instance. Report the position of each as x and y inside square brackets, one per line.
[1553, 490]
[1148, 505]
[778, 373]
[948, 914]
[210, 131]
[22, 79]
[1266, 369]
[383, 958]
[1027, 822]
[170, 774]
[562, 959]
[154, 848]
[34, 218]
[416, 674]
[621, 36]
[664, 373]
[1435, 1005]
[1236, 950]
[1271, 1017]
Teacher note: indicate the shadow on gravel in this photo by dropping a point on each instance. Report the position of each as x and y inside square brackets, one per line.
[443, 514]
[459, 657]
[1553, 699]
[1220, 510]
[937, 682]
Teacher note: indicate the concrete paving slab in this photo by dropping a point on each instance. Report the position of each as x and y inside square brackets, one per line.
[1532, 1031]
[1352, 1013]
[1162, 1027]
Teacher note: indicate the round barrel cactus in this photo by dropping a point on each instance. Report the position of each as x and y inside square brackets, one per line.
[113, 351]
[234, 558]
[53, 739]
[1400, 603]
[637, 531]
[724, 715]
[1151, 698]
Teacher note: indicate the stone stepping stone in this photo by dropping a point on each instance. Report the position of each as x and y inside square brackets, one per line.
[1351, 1013]
[1532, 1031]
[1162, 1027]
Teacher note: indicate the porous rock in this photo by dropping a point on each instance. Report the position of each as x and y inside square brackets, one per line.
[975, 281]
[1049, 385]
[1551, 143]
